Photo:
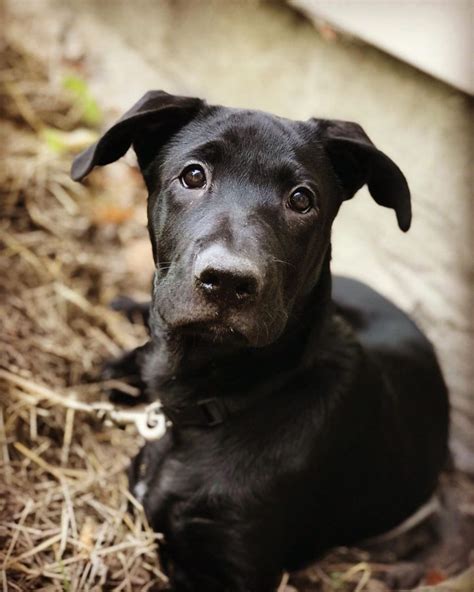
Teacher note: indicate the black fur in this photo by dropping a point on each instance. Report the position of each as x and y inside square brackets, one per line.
[342, 423]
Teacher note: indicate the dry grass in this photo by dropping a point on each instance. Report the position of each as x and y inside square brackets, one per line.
[67, 520]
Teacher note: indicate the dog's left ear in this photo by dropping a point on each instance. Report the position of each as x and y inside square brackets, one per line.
[153, 118]
[356, 162]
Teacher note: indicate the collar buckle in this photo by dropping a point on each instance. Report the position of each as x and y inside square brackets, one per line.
[213, 411]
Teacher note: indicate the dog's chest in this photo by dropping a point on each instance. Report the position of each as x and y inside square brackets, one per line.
[214, 472]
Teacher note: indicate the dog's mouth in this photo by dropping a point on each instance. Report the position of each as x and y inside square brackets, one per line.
[214, 332]
[183, 314]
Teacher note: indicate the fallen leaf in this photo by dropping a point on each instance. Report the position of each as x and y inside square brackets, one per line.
[112, 214]
[434, 576]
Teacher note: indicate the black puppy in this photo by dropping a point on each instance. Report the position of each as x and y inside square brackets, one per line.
[299, 422]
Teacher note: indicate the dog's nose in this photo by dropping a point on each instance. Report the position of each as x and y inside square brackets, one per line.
[220, 275]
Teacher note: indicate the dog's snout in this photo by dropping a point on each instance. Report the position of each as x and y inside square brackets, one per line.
[220, 275]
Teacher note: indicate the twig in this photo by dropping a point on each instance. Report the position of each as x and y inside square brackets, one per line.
[59, 474]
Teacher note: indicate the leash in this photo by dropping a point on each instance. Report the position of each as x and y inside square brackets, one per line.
[150, 420]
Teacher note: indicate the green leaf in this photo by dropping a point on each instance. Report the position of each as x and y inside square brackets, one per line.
[53, 139]
[79, 89]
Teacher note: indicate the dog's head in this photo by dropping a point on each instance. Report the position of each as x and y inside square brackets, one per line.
[240, 207]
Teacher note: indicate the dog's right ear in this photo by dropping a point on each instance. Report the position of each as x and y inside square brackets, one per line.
[156, 110]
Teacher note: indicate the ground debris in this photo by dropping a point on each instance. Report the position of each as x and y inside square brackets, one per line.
[66, 517]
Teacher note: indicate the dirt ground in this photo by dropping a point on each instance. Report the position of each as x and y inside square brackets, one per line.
[68, 250]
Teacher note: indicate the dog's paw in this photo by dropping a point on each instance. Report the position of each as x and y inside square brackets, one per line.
[135, 312]
[129, 396]
[124, 383]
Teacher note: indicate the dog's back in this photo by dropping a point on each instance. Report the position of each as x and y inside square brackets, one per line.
[410, 370]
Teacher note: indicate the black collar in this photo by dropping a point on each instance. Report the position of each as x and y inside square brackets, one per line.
[206, 412]
[203, 413]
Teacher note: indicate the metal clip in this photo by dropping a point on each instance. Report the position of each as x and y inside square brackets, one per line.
[150, 421]
[152, 424]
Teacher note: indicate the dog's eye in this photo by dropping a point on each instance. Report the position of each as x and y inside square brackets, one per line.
[301, 200]
[193, 177]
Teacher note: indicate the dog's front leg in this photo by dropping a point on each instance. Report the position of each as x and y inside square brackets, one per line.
[212, 554]
[207, 547]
